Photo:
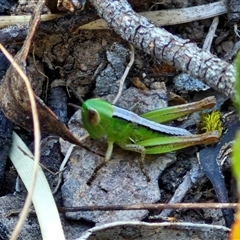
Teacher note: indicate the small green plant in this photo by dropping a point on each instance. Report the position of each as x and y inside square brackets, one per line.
[210, 122]
[236, 155]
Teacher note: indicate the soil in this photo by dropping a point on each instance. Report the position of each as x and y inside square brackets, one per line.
[92, 62]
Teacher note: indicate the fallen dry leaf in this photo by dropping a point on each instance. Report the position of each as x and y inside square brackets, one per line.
[14, 99]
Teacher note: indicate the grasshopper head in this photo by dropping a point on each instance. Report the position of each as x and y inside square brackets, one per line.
[96, 116]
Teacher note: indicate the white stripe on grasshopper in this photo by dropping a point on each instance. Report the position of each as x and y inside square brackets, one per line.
[134, 118]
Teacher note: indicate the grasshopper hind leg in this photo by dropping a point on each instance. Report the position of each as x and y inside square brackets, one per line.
[94, 174]
[142, 151]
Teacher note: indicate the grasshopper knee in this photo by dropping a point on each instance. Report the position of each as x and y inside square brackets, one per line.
[142, 151]
[141, 163]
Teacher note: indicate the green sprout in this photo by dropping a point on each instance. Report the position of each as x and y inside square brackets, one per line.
[210, 122]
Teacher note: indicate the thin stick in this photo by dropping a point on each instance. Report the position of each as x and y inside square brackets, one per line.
[191, 178]
[157, 206]
[62, 167]
[64, 162]
[156, 229]
[122, 80]
[141, 206]
[75, 93]
[211, 34]
[165, 17]
[236, 30]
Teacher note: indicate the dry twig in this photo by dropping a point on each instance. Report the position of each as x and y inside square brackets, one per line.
[121, 82]
[182, 54]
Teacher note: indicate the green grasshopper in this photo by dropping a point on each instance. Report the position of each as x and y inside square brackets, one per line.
[143, 134]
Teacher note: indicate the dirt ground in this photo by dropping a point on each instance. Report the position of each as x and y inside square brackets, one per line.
[92, 62]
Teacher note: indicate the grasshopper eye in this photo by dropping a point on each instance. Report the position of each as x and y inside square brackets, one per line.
[93, 117]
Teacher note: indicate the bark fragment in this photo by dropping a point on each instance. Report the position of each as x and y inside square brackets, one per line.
[233, 11]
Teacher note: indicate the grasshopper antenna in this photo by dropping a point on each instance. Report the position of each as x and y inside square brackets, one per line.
[74, 105]
[75, 93]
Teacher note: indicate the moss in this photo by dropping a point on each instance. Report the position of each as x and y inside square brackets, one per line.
[210, 122]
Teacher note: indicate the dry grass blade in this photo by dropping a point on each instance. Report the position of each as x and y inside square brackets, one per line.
[36, 143]
[6, 21]
[20, 78]
[172, 16]
[43, 201]
[32, 106]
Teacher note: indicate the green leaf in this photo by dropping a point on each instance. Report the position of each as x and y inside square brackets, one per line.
[236, 159]
[237, 95]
